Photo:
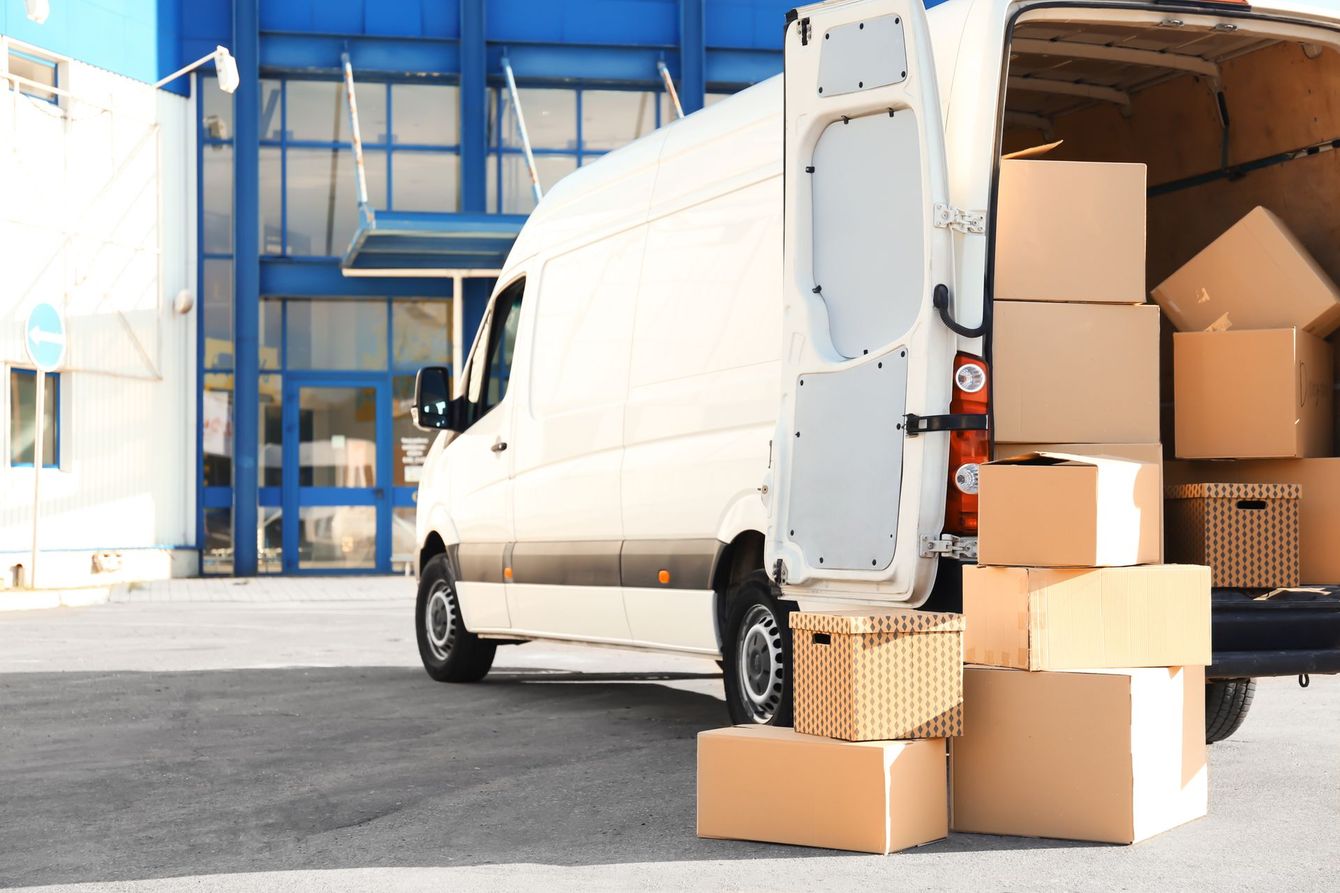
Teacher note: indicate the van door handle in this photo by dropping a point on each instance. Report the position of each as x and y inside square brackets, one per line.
[499, 446]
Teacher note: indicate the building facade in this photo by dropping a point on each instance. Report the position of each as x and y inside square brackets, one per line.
[234, 401]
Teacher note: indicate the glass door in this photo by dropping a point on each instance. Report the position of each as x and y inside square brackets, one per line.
[337, 510]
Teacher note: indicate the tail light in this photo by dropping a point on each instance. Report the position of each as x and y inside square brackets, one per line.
[967, 449]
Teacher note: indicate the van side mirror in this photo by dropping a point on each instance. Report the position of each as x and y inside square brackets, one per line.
[434, 407]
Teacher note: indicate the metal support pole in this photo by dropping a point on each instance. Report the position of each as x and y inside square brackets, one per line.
[692, 54]
[39, 447]
[521, 128]
[356, 135]
[474, 111]
[246, 285]
[670, 88]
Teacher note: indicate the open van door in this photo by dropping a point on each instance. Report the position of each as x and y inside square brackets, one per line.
[853, 490]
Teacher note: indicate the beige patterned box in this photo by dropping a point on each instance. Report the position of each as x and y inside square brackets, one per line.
[865, 675]
[1246, 533]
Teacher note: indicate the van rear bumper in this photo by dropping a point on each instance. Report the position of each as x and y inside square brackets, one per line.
[1294, 632]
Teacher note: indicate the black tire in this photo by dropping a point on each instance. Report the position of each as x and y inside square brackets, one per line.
[756, 647]
[449, 651]
[1226, 704]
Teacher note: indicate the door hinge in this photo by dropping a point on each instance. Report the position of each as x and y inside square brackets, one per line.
[914, 424]
[947, 217]
[946, 545]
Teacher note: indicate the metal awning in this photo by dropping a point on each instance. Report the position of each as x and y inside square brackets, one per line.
[427, 243]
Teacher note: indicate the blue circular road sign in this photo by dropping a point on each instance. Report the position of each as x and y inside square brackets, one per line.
[45, 337]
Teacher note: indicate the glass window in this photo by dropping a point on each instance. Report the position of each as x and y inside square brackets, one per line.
[322, 200]
[411, 445]
[37, 69]
[216, 109]
[271, 391]
[216, 183]
[271, 557]
[424, 114]
[403, 540]
[551, 118]
[490, 371]
[331, 537]
[272, 112]
[23, 418]
[337, 436]
[611, 118]
[425, 181]
[336, 334]
[271, 188]
[217, 309]
[218, 540]
[272, 333]
[518, 197]
[317, 110]
[420, 333]
[216, 424]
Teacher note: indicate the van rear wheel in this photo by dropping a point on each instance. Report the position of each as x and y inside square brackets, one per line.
[449, 651]
[757, 654]
[1226, 704]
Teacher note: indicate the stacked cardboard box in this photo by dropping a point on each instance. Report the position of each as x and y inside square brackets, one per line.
[1253, 383]
[1084, 694]
[876, 695]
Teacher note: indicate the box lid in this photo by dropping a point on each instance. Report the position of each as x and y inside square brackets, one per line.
[1233, 491]
[861, 621]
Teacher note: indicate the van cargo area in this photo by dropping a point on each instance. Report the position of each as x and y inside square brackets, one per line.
[1227, 118]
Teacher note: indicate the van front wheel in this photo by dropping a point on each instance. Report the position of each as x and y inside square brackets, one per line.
[449, 651]
[757, 652]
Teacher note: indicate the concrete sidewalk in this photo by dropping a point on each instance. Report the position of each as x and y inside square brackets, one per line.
[280, 590]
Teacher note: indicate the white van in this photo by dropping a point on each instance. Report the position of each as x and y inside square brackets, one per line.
[624, 425]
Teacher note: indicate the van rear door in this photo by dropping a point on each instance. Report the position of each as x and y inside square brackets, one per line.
[853, 491]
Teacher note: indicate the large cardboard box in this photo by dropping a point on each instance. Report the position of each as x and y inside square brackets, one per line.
[1070, 231]
[870, 676]
[1246, 533]
[1140, 452]
[1063, 510]
[1075, 373]
[776, 785]
[1257, 275]
[1034, 618]
[1252, 395]
[1115, 756]
[1318, 504]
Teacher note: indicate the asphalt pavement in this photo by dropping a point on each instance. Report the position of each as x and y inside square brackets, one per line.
[297, 745]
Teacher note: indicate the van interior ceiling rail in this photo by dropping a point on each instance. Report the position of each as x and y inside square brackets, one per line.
[1237, 171]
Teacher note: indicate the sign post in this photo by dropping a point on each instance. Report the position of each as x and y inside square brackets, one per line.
[45, 339]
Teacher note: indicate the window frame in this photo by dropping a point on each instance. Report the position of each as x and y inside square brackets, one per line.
[52, 384]
[10, 47]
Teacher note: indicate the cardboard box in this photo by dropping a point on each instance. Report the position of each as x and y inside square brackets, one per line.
[1257, 275]
[1318, 504]
[1246, 533]
[1140, 452]
[1063, 510]
[869, 676]
[776, 785]
[1033, 618]
[1251, 395]
[1115, 756]
[1070, 231]
[1075, 373]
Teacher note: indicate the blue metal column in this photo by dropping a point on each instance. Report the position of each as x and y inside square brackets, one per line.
[692, 55]
[246, 284]
[474, 108]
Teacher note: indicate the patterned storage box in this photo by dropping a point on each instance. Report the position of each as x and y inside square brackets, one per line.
[1246, 533]
[878, 675]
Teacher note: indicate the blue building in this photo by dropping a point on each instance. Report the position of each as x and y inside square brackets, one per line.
[306, 349]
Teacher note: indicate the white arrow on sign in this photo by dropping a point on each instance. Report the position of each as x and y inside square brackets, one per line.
[39, 336]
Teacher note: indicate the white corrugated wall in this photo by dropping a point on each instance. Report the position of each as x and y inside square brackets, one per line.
[97, 201]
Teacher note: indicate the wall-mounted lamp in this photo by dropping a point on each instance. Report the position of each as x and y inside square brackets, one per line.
[225, 68]
[38, 10]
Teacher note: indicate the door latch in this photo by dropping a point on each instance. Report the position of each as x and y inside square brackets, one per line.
[914, 424]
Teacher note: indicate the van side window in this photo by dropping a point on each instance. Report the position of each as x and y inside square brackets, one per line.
[491, 364]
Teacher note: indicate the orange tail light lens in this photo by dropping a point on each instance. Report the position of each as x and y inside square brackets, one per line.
[968, 450]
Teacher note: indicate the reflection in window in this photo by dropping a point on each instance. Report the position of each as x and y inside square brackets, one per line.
[317, 111]
[420, 333]
[23, 418]
[216, 109]
[337, 537]
[216, 429]
[271, 459]
[271, 188]
[217, 313]
[272, 333]
[337, 442]
[336, 334]
[551, 118]
[426, 181]
[404, 542]
[217, 555]
[424, 114]
[323, 201]
[518, 197]
[611, 118]
[216, 185]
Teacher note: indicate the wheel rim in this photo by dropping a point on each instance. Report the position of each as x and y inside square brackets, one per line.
[439, 620]
[758, 665]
